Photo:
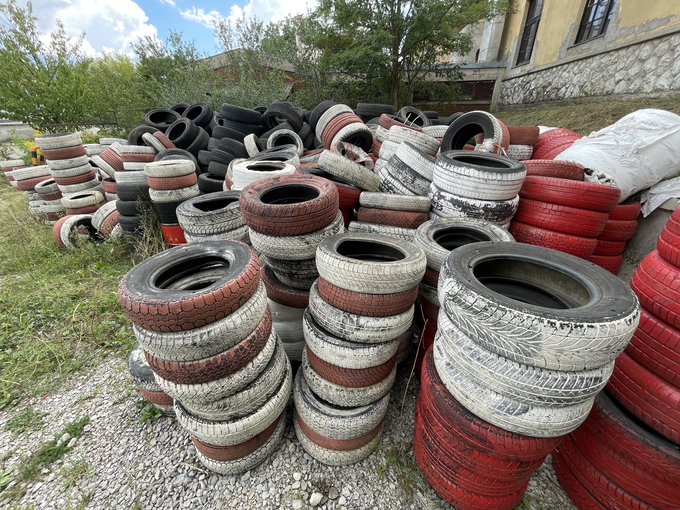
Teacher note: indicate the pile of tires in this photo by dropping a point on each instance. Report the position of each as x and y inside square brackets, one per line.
[392, 215]
[8, 166]
[526, 338]
[476, 185]
[200, 314]
[621, 225]
[562, 213]
[409, 165]
[26, 179]
[438, 238]
[494, 135]
[171, 182]
[360, 311]
[615, 461]
[335, 123]
[646, 378]
[213, 216]
[287, 218]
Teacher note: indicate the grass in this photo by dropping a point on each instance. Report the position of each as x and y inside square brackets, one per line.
[29, 419]
[58, 308]
[583, 116]
[75, 472]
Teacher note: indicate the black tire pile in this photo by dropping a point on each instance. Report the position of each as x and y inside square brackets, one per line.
[201, 317]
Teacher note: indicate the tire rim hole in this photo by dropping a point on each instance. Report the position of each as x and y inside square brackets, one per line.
[268, 166]
[176, 277]
[369, 251]
[455, 237]
[473, 159]
[289, 194]
[523, 292]
[326, 175]
[215, 204]
[176, 131]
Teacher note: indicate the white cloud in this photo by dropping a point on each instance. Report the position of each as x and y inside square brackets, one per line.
[207, 19]
[265, 10]
[169, 2]
[111, 25]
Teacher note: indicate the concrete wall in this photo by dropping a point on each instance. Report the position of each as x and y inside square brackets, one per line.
[640, 34]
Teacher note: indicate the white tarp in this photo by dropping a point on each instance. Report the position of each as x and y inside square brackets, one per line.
[633, 154]
[658, 194]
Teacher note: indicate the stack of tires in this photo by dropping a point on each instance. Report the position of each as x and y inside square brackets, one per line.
[348, 193]
[522, 141]
[438, 238]
[287, 218]
[476, 185]
[615, 461]
[226, 151]
[143, 377]
[369, 111]
[621, 225]
[186, 134]
[495, 137]
[338, 123]
[646, 380]
[385, 122]
[563, 214]
[359, 310]
[392, 215]
[27, 179]
[200, 313]
[171, 182]
[8, 166]
[132, 196]
[213, 216]
[553, 142]
[409, 171]
[526, 338]
[51, 208]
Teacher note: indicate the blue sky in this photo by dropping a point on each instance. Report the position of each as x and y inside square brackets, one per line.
[113, 24]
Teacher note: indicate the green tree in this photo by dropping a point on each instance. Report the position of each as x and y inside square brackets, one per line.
[251, 76]
[392, 48]
[174, 71]
[40, 83]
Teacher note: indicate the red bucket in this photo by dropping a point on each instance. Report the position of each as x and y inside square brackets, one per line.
[173, 234]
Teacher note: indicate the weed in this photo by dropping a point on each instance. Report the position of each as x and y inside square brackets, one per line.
[29, 419]
[148, 411]
[81, 503]
[75, 472]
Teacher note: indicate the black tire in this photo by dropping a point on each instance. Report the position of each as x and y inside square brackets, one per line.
[210, 183]
[135, 136]
[130, 223]
[140, 371]
[169, 154]
[318, 111]
[233, 146]
[260, 109]
[431, 114]
[244, 129]
[161, 119]
[179, 107]
[131, 192]
[182, 133]
[412, 116]
[200, 142]
[280, 111]
[200, 113]
[218, 169]
[203, 157]
[166, 211]
[128, 208]
[538, 306]
[452, 117]
[242, 115]
[371, 110]
[465, 127]
[221, 132]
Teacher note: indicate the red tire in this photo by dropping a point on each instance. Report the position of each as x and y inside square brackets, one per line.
[560, 218]
[576, 492]
[387, 122]
[625, 212]
[338, 445]
[157, 397]
[64, 152]
[611, 263]
[76, 179]
[113, 159]
[168, 183]
[657, 285]
[656, 346]
[582, 247]
[668, 245]
[584, 195]
[348, 194]
[431, 277]
[160, 136]
[237, 451]
[350, 377]
[648, 397]
[484, 436]
[280, 293]
[552, 135]
[368, 305]
[56, 231]
[523, 135]
[557, 169]
[289, 205]
[401, 219]
[426, 343]
[133, 157]
[553, 149]
[29, 184]
[609, 247]
[618, 230]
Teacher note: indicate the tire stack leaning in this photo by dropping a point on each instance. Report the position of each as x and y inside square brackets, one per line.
[359, 310]
[476, 185]
[615, 461]
[526, 338]
[26, 180]
[171, 182]
[646, 379]
[620, 227]
[9, 166]
[393, 215]
[438, 238]
[200, 313]
[213, 216]
[563, 214]
[287, 218]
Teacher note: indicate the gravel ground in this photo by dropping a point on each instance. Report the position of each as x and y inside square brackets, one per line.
[154, 465]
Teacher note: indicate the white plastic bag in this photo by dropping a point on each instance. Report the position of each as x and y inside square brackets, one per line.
[635, 153]
[658, 194]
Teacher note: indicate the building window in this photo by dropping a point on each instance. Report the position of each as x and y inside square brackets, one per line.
[467, 90]
[595, 19]
[530, 29]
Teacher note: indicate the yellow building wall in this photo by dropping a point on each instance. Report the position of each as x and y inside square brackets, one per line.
[559, 23]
